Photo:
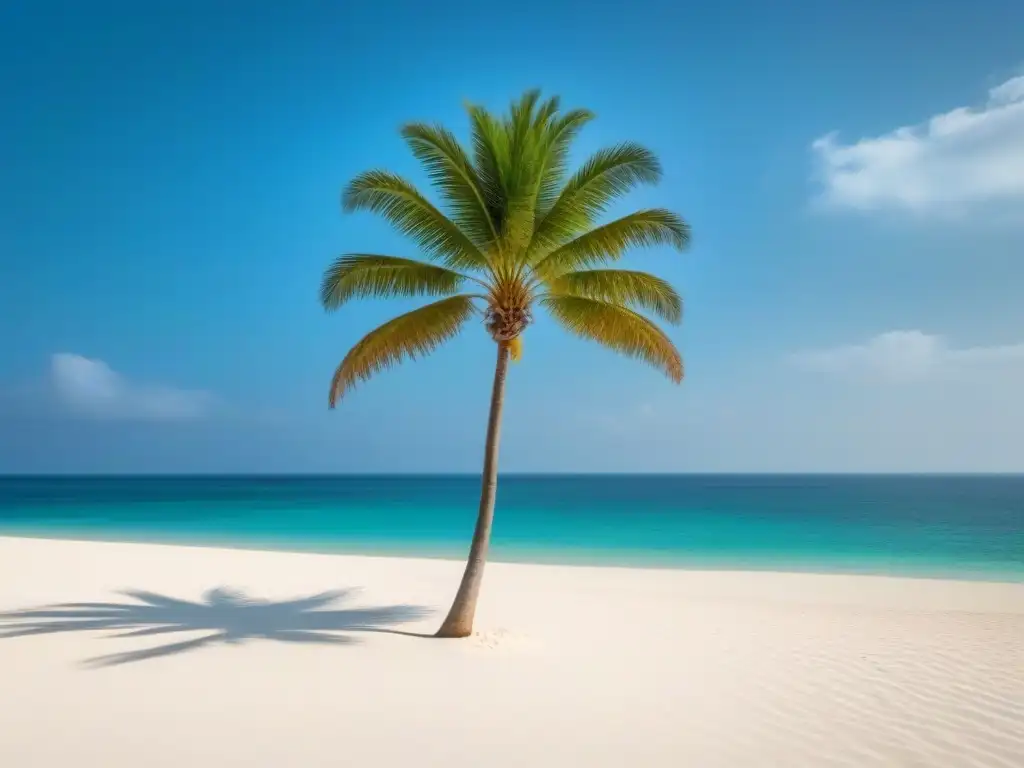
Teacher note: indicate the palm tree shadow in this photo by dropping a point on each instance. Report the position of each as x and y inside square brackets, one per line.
[227, 616]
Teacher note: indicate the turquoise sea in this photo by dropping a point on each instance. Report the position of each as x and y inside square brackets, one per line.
[964, 526]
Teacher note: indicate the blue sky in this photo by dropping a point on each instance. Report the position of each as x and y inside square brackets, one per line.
[170, 196]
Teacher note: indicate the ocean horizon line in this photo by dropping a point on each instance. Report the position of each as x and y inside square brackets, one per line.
[467, 474]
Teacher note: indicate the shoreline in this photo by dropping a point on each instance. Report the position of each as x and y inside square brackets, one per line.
[581, 558]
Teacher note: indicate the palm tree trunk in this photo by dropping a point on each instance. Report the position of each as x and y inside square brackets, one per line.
[459, 622]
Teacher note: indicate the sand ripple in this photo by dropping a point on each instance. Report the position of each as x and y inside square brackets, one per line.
[835, 688]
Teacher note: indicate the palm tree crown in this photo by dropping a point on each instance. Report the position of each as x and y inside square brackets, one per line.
[517, 231]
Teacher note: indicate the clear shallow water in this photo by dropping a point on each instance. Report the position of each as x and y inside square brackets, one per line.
[964, 526]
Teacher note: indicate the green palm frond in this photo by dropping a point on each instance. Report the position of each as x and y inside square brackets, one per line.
[490, 159]
[560, 135]
[606, 176]
[527, 150]
[622, 286]
[363, 275]
[522, 119]
[609, 241]
[519, 161]
[410, 335]
[546, 113]
[618, 328]
[413, 215]
[451, 171]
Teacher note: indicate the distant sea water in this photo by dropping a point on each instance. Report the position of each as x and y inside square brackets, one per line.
[959, 526]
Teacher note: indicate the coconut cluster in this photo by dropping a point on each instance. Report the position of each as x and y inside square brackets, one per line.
[506, 323]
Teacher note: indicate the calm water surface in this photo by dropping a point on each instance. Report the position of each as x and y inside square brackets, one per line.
[967, 526]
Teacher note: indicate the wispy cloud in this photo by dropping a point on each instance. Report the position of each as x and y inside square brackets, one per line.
[907, 356]
[91, 388]
[961, 158]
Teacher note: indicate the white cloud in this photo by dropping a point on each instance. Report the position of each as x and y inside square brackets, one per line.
[907, 356]
[963, 157]
[91, 388]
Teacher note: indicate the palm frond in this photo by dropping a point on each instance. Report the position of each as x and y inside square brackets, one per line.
[609, 241]
[413, 215]
[622, 286]
[520, 160]
[360, 275]
[617, 328]
[527, 150]
[520, 123]
[411, 335]
[606, 176]
[560, 135]
[490, 159]
[451, 171]
[547, 112]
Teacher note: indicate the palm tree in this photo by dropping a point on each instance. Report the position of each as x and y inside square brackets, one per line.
[518, 232]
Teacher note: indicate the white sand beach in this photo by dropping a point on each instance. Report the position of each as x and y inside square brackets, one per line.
[570, 665]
